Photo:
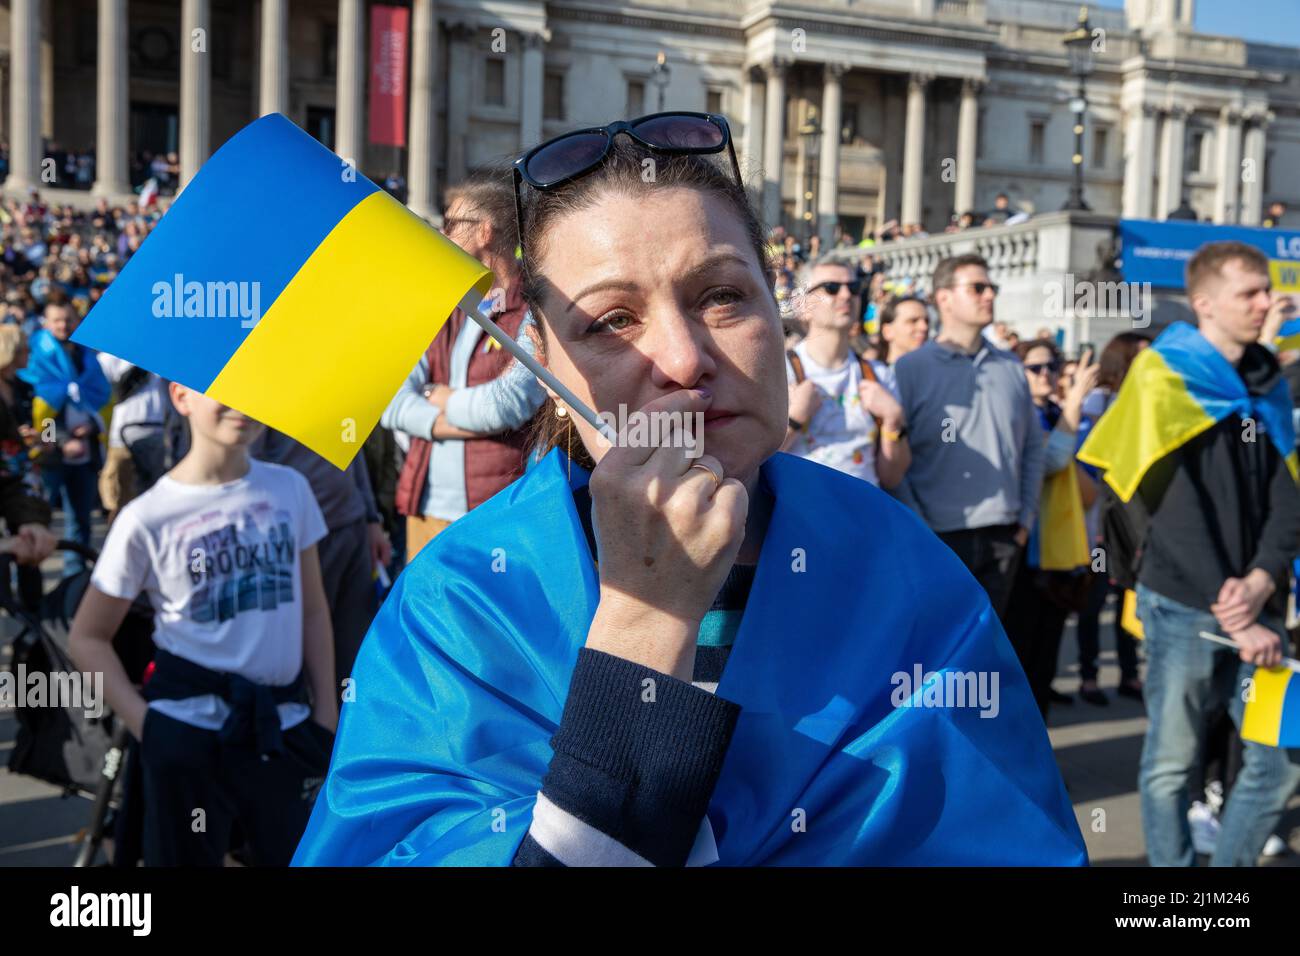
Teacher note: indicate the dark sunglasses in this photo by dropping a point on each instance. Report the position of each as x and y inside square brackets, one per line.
[979, 288]
[1038, 368]
[833, 288]
[572, 155]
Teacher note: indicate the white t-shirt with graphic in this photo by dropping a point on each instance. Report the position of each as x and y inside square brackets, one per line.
[841, 435]
[220, 566]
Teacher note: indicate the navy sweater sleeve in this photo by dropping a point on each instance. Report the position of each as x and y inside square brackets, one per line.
[637, 755]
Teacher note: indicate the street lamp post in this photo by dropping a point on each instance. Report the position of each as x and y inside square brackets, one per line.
[809, 136]
[1078, 43]
[660, 76]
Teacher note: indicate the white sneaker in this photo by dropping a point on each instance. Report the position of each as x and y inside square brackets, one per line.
[1205, 828]
[1275, 846]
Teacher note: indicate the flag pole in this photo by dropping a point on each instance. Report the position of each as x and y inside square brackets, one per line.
[1290, 662]
[480, 310]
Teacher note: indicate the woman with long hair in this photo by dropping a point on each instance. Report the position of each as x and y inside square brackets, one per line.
[1054, 577]
[1113, 365]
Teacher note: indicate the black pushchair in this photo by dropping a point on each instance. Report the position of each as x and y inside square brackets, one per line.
[62, 745]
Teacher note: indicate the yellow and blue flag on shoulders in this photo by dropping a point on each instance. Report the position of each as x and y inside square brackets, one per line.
[1178, 388]
[286, 285]
[1272, 715]
[440, 760]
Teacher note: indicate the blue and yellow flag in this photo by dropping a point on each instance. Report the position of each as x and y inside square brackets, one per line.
[284, 284]
[1175, 390]
[440, 757]
[1059, 541]
[1288, 336]
[1272, 715]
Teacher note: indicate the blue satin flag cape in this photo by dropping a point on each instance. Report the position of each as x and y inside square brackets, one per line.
[462, 679]
[49, 371]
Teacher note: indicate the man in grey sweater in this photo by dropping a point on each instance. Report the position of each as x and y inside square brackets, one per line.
[977, 445]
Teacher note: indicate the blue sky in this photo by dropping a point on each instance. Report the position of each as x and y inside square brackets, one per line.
[1270, 21]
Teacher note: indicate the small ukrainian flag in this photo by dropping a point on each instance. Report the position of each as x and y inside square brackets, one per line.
[1272, 715]
[284, 284]
[1288, 336]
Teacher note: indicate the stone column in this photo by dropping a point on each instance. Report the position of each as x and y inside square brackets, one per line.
[25, 148]
[273, 66]
[422, 157]
[967, 132]
[914, 148]
[1173, 154]
[751, 158]
[533, 82]
[828, 165]
[458, 93]
[1139, 149]
[1252, 181]
[196, 86]
[111, 176]
[46, 41]
[1227, 193]
[350, 89]
[774, 142]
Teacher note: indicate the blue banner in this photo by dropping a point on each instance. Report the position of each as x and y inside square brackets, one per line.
[1157, 252]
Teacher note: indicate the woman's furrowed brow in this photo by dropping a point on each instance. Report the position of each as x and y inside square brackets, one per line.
[713, 262]
[622, 285]
[696, 272]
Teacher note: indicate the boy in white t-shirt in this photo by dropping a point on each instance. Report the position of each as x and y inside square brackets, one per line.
[225, 548]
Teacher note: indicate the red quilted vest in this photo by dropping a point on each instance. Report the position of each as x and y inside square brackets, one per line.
[493, 462]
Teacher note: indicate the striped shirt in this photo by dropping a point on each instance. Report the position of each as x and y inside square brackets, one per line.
[637, 752]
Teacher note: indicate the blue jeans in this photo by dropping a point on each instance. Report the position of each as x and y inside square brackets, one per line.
[72, 488]
[1187, 679]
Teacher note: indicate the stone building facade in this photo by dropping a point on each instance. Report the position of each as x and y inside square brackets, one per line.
[844, 111]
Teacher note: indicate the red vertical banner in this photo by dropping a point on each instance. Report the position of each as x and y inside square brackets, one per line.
[388, 33]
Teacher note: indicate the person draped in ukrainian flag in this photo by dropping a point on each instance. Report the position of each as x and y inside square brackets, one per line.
[73, 393]
[1053, 578]
[1199, 450]
[666, 654]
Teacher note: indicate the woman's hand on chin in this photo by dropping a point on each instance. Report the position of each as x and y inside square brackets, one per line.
[667, 533]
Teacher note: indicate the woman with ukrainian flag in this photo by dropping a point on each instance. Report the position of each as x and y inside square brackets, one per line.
[1054, 576]
[636, 656]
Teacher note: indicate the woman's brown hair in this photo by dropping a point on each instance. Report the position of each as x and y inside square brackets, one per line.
[624, 171]
[1116, 358]
[1024, 348]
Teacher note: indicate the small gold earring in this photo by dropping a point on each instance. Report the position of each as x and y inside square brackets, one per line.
[561, 411]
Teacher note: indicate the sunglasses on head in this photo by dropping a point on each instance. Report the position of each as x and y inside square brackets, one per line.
[1038, 368]
[833, 288]
[573, 155]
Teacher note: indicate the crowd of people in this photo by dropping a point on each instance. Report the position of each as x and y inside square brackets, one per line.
[914, 386]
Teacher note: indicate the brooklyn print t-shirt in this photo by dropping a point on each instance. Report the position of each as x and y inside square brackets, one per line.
[220, 566]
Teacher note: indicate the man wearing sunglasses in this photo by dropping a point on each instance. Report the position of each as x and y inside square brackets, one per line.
[977, 448]
[460, 408]
[840, 413]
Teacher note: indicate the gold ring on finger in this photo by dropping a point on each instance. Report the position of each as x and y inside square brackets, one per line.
[717, 481]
